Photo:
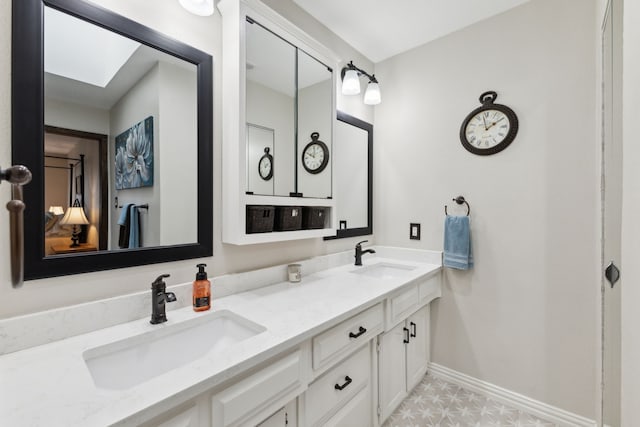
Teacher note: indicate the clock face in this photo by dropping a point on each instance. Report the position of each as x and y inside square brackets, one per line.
[490, 128]
[315, 155]
[487, 129]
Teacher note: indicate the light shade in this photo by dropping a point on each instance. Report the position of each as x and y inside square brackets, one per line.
[74, 216]
[351, 83]
[372, 95]
[56, 210]
[198, 7]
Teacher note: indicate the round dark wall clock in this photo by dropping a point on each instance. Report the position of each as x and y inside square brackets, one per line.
[489, 128]
[265, 165]
[315, 155]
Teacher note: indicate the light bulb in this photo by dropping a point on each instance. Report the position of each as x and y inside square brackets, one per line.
[198, 7]
[351, 83]
[372, 94]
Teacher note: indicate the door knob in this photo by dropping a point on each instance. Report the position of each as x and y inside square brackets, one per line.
[612, 273]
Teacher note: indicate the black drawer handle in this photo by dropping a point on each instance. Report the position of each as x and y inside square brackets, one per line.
[413, 329]
[406, 334]
[347, 381]
[361, 331]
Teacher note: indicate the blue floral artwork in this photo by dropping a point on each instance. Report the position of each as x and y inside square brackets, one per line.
[134, 156]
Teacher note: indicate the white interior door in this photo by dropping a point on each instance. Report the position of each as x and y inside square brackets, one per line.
[611, 211]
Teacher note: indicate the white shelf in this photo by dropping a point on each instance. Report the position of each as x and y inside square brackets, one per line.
[234, 199]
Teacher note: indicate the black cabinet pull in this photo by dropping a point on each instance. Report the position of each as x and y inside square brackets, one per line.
[347, 381]
[413, 329]
[361, 331]
[406, 339]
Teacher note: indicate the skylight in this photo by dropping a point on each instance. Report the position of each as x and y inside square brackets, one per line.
[81, 51]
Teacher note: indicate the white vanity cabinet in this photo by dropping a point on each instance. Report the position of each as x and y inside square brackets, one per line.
[402, 360]
[252, 400]
[403, 350]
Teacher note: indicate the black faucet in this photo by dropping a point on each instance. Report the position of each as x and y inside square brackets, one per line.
[159, 296]
[359, 252]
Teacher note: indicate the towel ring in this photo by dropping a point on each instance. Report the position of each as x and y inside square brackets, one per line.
[459, 200]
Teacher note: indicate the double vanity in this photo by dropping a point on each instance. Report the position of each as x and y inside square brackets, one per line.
[342, 347]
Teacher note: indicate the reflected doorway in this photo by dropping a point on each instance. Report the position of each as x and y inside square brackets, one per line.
[75, 172]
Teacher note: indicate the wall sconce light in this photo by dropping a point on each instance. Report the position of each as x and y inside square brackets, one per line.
[198, 7]
[75, 216]
[351, 84]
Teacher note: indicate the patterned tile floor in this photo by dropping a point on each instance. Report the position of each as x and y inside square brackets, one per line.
[437, 403]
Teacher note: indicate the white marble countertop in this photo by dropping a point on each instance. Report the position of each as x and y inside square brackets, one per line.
[49, 385]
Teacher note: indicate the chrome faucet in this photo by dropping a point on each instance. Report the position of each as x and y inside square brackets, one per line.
[360, 252]
[159, 296]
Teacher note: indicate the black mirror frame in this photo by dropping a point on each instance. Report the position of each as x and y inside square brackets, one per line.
[361, 231]
[27, 130]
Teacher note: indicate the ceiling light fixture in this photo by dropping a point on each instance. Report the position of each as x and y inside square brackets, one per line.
[351, 84]
[198, 7]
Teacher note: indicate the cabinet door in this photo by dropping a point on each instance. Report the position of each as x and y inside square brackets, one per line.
[392, 384]
[356, 413]
[285, 417]
[418, 347]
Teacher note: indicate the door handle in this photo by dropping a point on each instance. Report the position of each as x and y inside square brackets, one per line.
[347, 381]
[361, 331]
[612, 273]
[17, 176]
[413, 329]
[406, 336]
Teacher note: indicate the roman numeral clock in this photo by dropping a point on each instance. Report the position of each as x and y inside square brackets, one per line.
[489, 128]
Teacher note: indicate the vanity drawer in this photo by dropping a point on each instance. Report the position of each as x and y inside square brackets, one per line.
[338, 341]
[261, 394]
[430, 289]
[401, 305]
[337, 386]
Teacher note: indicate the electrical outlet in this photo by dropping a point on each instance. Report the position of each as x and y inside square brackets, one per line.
[414, 231]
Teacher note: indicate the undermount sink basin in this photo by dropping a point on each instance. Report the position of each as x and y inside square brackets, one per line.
[132, 361]
[384, 270]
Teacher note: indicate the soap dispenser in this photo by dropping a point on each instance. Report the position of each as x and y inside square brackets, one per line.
[201, 290]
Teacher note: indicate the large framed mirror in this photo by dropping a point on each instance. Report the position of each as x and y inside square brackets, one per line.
[353, 170]
[289, 98]
[114, 120]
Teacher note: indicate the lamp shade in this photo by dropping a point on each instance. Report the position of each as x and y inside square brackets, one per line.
[56, 210]
[198, 7]
[74, 216]
[351, 83]
[372, 95]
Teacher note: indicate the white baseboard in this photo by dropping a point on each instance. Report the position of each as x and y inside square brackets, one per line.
[559, 416]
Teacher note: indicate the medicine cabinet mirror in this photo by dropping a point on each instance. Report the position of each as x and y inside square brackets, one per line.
[289, 97]
[109, 114]
[353, 168]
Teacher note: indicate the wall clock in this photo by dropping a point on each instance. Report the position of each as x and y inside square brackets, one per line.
[315, 155]
[265, 165]
[489, 128]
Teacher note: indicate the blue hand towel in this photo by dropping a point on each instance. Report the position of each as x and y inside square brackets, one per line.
[134, 227]
[457, 243]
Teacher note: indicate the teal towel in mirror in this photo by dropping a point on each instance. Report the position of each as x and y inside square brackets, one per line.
[457, 243]
[134, 227]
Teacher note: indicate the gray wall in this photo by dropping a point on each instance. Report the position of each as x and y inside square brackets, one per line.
[525, 318]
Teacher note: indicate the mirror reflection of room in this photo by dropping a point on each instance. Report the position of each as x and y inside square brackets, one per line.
[289, 94]
[351, 166]
[72, 177]
[144, 102]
